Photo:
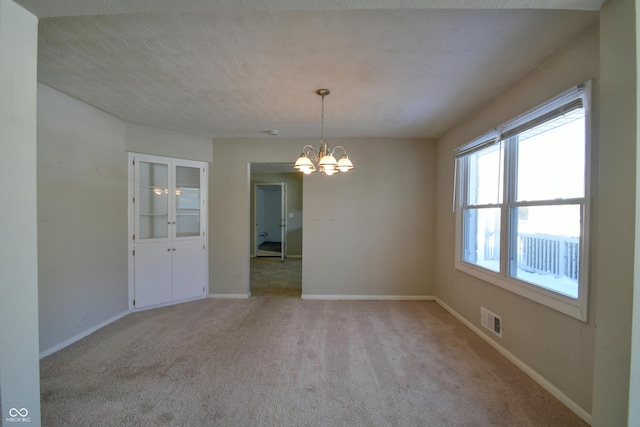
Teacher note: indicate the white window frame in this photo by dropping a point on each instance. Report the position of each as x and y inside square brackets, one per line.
[574, 307]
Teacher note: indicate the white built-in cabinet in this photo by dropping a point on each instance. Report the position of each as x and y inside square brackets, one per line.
[167, 223]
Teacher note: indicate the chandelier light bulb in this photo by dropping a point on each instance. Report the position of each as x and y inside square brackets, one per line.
[344, 164]
[330, 171]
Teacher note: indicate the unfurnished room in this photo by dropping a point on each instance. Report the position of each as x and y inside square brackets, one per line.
[312, 213]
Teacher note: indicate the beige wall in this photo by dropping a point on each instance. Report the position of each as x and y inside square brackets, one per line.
[558, 347]
[82, 211]
[161, 142]
[613, 259]
[372, 232]
[293, 246]
[82, 217]
[19, 365]
[372, 229]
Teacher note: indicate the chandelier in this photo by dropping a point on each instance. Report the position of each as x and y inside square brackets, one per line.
[323, 160]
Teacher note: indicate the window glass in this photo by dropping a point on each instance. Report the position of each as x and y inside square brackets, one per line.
[485, 176]
[547, 247]
[482, 237]
[551, 159]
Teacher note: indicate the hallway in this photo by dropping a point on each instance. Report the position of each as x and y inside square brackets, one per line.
[270, 277]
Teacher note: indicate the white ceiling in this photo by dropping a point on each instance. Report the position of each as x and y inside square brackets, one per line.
[225, 68]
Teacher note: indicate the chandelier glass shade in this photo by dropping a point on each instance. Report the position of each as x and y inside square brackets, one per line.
[322, 160]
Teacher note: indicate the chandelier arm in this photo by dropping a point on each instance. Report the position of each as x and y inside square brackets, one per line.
[340, 147]
[310, 152]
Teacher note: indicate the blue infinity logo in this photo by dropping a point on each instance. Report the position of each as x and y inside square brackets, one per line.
[22, 412]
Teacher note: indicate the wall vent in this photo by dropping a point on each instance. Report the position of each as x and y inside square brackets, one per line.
[491, 321]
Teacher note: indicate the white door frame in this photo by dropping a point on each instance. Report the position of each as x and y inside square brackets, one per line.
[283, 216]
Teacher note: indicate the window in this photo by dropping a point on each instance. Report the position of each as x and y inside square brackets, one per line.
[522, 204]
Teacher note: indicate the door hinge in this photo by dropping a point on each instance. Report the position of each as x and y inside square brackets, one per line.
[134, 237]
[134, 303]
[134, 200]
[203, 247]
[203, 234]
[134, 252]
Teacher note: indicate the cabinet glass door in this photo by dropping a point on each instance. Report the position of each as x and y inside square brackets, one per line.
[153, 200]
[187, 201]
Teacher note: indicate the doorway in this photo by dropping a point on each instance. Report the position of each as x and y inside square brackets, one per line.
[270, 220]
[276, 272]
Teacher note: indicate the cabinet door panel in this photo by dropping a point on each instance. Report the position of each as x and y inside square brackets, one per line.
[152, 282]
[188, 201]
[152, 194]
[189, 270]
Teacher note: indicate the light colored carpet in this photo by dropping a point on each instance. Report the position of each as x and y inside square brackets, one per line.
[270, 276]
[269, 361]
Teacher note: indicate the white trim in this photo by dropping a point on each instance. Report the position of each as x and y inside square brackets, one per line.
[168, 304]
[543, 382]
[230, 296]
[369, 297]
[287, 256]
[81, 335]
[563, 304]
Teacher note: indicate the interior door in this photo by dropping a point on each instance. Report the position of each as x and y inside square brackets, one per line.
[283, 220]
[270, 221]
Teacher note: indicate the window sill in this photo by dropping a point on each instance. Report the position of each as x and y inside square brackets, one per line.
[575, 308]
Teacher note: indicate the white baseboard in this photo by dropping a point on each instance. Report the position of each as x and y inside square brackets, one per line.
[546, 384]
[81, 335]
[286, 256]
[230, 296]
[369, 297]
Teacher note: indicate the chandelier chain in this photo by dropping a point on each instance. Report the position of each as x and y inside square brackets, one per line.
[322, 127]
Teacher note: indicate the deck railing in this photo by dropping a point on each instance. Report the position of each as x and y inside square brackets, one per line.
[542, 254]
[547, 254]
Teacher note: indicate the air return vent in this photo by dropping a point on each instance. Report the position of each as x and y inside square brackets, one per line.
[491, 321]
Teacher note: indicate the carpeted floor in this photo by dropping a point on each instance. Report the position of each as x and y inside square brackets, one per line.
[271, 277]
[272, 361]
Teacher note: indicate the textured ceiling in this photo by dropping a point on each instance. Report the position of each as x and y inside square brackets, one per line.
[242, 70]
